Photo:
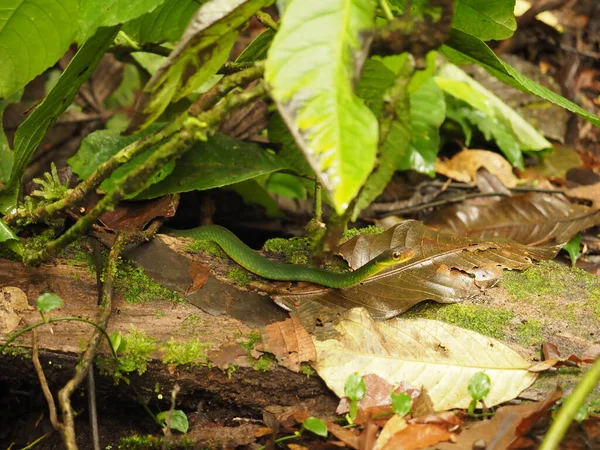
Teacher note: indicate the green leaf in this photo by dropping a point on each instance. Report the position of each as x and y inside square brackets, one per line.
[116, 339]
[289, 152]
[316, 426]
[202, 50]
[31, 132]
[178, 420]
[458, 84]
[573, 248]
[355, 387]
[376, 78]
[218, 162]
[99, 146]
[393, 150]
[34, 34]
[288, 185]
[479, 386]
[257, 50]
[94, 14]
[254, 193]
[10, 239]
[485, 19]
[48, 302]
[165, 23]
[492, 129]
[461, 48]
[428, 111]
[310, 69]
[401, 403]
[6, 154]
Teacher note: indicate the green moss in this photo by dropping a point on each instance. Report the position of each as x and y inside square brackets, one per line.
[18, 351]
[307, 370]
[137, 287]
[484, 320]
[250, 340]
[206, 246]
[530, 332]
[239, 276]
[265, 362]
[150, 442]
[296, 250]
[79, 254]
[178, 353]
[371, 229]
[548, 278]
[133, 355]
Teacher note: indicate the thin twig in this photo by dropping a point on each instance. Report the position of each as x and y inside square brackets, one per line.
[35, 358]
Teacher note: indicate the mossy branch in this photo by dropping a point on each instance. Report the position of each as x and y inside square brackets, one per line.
[192, 129]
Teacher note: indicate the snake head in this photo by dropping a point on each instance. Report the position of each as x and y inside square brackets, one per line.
[395, 255]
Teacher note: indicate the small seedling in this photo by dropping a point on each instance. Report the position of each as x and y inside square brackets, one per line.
[175, 420]
[401, 403]
[312, 424]
[479, 388]
[48, 302]
[355, 389]
[573, 248]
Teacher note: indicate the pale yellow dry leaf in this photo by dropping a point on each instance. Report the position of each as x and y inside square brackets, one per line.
[423, 353]
[392, 426]
[587, 192]
[464, 165]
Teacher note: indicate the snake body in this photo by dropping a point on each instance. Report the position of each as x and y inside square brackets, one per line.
[255, 263]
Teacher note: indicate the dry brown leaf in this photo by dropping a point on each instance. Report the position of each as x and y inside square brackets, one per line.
[445, 268]
[419, 436]
[12, 302]
[588, 192]
[289, 342]
[508, 424]
[349, 436]
[529, 219]
[464, 165]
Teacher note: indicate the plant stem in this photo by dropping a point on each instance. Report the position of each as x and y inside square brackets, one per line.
[570, 407]
[386, 9]
[267, 20]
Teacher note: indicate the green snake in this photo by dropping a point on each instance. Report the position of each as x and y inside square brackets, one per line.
[255, 263]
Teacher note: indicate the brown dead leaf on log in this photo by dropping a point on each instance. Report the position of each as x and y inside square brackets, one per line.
[529, 219]
[446, 269]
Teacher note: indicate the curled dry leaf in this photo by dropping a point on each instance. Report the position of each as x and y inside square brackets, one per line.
[434, 355]
[445, 268]
[529, 219]
[464, 165]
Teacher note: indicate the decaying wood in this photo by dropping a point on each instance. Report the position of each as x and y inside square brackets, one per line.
[244, 389]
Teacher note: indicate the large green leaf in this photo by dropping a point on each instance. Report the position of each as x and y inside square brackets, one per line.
[428, 111]
[378, 82]
[102, 145]
[31, 132]
[166, 23]
[202, 50]
[310, 68]
[6, 154]
[461, 48]
[458, 84]
[106, 13]
[34, 34]
[485, 19]
[218, 162]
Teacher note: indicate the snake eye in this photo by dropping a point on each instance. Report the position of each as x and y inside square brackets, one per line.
[396, 255]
